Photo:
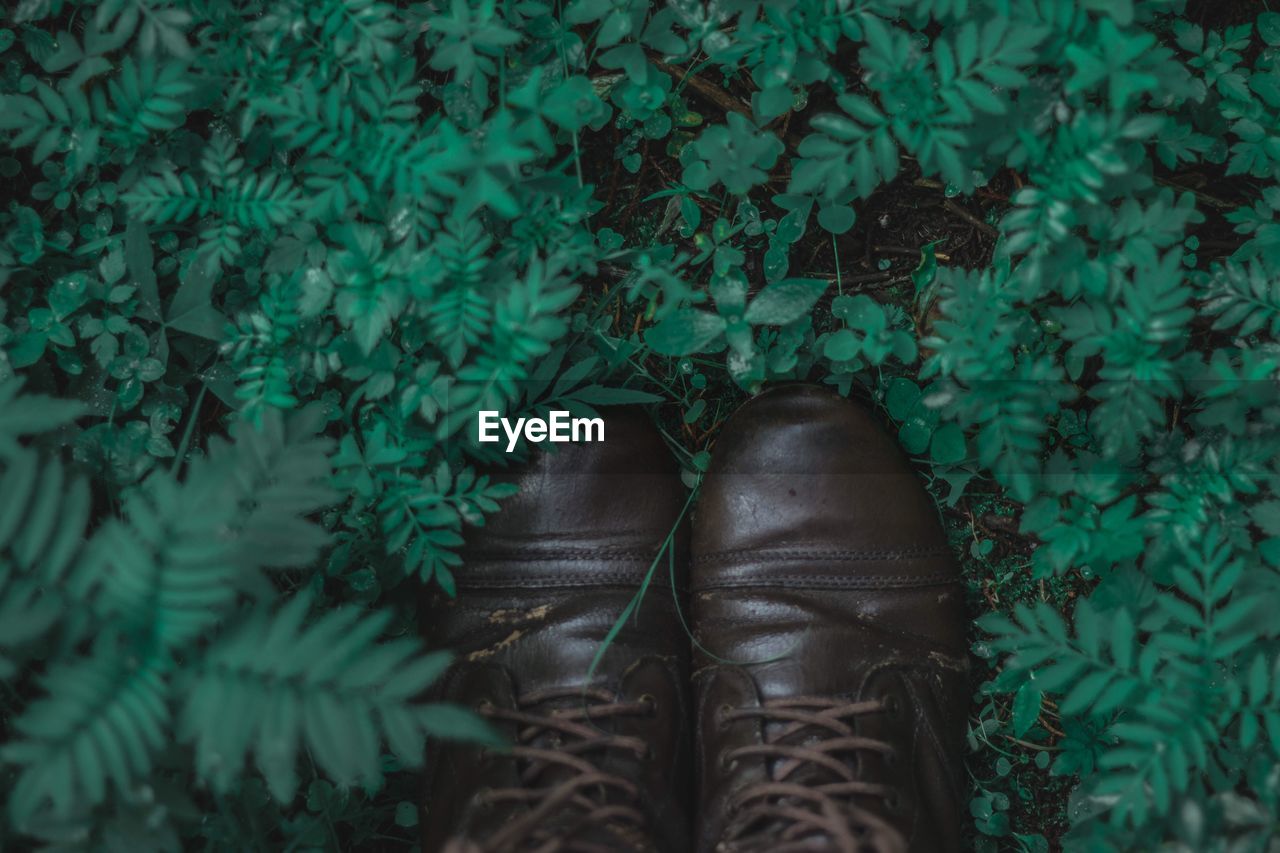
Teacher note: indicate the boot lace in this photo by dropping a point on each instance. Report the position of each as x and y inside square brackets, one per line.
[787, 813]
[570, 802]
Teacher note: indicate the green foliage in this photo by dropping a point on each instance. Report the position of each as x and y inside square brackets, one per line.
[369, 221]
[172, 581]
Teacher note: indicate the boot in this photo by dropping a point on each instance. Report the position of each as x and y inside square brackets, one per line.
[830, 659]
[599, 761]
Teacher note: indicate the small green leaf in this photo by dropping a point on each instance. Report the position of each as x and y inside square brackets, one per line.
[684, 332]
[947, 447]
[914, 434]
[140, 260]
[980, 807]
[841, 346]
[772, 102]
[927, 270]
[1269, 28]
[192, 310]
[1026, 707]
[836, 218]
[784, 301]
[901, 397]
[599, 395]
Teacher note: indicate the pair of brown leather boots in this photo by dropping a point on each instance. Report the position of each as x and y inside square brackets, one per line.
[820, 704]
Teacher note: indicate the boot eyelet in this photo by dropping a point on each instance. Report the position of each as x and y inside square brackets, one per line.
[892, 707]
[891, 758]
[722, 715]
[648, 699]
[727, 765]
[893, 803]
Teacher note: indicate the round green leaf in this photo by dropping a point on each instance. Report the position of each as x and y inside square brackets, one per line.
[947, 447]
[784, 301]
[837, 218]
[841, 346]
[684, 332]
[901, 397]
[915, 434]
[695, 411]
[1269, 27]
[980, 807]
[772, 102]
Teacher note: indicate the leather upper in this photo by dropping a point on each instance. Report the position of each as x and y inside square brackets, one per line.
[540, 588]
[821, 571]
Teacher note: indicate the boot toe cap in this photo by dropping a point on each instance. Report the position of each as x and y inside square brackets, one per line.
[800, 471]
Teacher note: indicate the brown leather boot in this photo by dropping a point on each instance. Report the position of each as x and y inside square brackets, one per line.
[595, 765]
[830, 672]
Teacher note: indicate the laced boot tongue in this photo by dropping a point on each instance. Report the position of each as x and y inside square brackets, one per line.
[563, 744]
[819, 794]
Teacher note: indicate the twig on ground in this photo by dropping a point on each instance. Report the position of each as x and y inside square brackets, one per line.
[1212, 201]
[874, 279]
[903, 250]
[713, 93]
[721, 98]
[970, 218]
[1040, 746]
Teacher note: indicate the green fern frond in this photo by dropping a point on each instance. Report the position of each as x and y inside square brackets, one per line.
[183, 553]
[42, 529]
[424, 516]
[318, 123]
[102, 721]
[327, 686]
[168, 197]
[1243, 298]
[1099, 669]
[42, 516]
[280, 476]
[146, 98]
[26, 614]
[23, 415]
[459, 319]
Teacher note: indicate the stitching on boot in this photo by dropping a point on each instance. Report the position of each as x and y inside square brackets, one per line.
[596, 579]
[602, 555]
[833, 581]
[824, 554]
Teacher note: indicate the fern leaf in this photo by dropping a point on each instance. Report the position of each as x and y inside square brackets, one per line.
[329, 686]
[167, 197]
[26, 614]
[1244, 298]
[184, 552]
[459, 319]
[99, 726]
[31, 414]
[146, 98]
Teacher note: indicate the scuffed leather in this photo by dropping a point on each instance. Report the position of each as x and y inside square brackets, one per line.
[539, 589]
[820, 568]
